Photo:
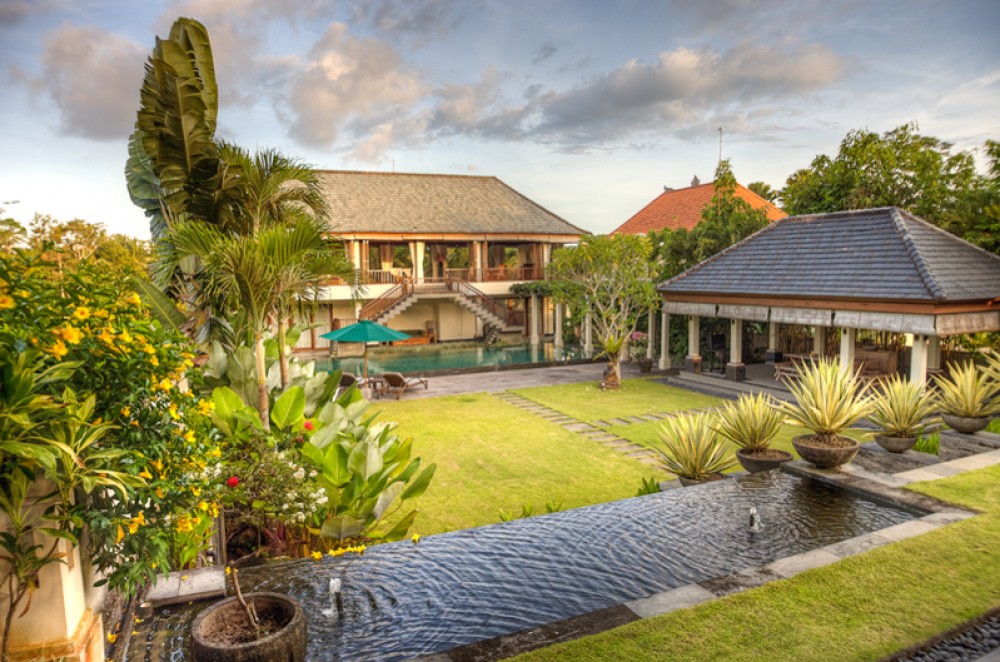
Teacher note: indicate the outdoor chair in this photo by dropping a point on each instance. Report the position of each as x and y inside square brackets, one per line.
[347, 380]
[396, 383]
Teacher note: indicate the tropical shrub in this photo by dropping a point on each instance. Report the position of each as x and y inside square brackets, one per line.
[689, 447]
[969, 391]
[901, 407]
[752, 422]
[828, 400]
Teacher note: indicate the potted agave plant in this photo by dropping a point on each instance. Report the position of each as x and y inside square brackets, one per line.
[690, 448]
[969, 396]
[901, 413]
[752, 423]
[828, 400]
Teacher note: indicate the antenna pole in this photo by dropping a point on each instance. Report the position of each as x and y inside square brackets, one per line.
[720, 144]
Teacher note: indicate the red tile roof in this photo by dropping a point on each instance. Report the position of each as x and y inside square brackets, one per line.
[681, 208]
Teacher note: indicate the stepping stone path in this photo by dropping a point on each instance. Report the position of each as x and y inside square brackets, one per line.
[596, 431]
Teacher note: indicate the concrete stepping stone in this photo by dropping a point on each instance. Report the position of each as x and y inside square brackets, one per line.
[636, 419]
[620, 421]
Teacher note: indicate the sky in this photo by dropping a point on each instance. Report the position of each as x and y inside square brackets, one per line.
[588, 108]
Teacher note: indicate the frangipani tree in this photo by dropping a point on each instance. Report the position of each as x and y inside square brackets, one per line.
[610, 278]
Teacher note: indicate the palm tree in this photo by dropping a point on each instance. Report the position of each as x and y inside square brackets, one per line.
[254, 277]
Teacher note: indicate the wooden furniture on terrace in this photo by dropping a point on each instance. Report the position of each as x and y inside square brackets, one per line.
[394, 382]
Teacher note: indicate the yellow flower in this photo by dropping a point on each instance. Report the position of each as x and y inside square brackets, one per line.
[6, 301]
[165, 384]
[416, 538]
[136, 522]
[112, 637]
[213, 510]
[317, 555]
[215, 452]
[126, 411]
[135, 423]
[81, 313]
[120, 534]
[58, 350]
[189, 436]
[173, 412]
[100, 314]
[159, 493]
[157, 464]
[106, 336]
[195, 490]
[70, 334]
[153, 361]
[228, 570]
[125, 336]
[205, 407]
[148, 348]
[145, 474]
[203, 505]
[134, 299]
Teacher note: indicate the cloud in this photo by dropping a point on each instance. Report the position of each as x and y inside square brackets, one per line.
[92, 79]
[351, 83]
[423, 20]
[544, 52]
[15, 12]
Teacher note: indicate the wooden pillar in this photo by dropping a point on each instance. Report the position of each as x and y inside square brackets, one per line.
[848, 338]
[736, 370]
[651, 335]
[918, 359]
[934, 353]
[557, 335]
[665, 342]
[385, 256]
[693, 361]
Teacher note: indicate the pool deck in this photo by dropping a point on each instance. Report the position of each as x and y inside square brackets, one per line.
[497, 381]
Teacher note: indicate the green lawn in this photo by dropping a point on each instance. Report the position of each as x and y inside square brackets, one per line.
[861, 608]
[493, 456]
[587, 402]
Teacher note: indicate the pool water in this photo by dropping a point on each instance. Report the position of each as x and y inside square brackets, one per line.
[423, 361]
[403, 600]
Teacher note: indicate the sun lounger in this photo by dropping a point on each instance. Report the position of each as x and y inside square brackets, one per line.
[396, 383]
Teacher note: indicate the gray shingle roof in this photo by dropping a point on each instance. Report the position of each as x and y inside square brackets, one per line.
[403, 203]
[881, 254]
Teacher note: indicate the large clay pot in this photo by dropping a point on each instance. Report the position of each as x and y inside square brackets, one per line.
[824, 455]
[688, 482]
[755, 463]
[286, 645]
[966, 424]
[895, 444]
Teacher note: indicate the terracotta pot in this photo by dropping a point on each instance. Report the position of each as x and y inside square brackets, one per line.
[966, 424]
[895, 444]
[825, 456]
[689, 482]
[286, 645]
[755, 463]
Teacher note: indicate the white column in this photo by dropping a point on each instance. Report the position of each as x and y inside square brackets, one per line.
[651, 335]
[356, 255]
[848, 338]
[694, 331]
[418, 263]
[534, 319]
[588, 336]
[934, 353]
[664, 342]
[546, 255]
[557, 338]
[918, 359]
[736, 341]
[819, 340]
[772, 337]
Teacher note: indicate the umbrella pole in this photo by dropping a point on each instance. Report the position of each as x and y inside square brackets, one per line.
[366, 362]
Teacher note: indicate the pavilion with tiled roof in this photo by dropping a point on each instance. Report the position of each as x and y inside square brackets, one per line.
[882, 269]
[677, 209]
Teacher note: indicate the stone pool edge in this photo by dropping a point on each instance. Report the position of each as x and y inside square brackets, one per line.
[880, 487]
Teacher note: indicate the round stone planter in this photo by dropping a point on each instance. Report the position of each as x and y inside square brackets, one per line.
[966, 424]
[823, 455]
[286, 645]
[755, 463]
[690, 482]
[895, 444]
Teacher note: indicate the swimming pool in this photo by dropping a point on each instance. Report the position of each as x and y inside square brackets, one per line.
[422, 361]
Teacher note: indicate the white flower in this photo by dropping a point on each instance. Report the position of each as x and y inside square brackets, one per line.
[300, 474]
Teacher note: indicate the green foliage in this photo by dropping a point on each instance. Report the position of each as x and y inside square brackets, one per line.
[969, 390]
[648, 486]
[764, 190]
[828, 400]
[726, 219]
[608, 277]
[690, 447]
[901, 406]
[928, 443]
[752, 422]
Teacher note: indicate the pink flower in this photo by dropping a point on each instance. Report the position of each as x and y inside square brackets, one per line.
[233, 481]
[308, 425]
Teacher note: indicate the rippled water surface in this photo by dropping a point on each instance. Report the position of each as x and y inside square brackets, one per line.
[402, 600]
[422, 361]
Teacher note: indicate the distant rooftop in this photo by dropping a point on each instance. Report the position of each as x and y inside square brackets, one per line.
[425, 204]
[883, 254]
[681, 208]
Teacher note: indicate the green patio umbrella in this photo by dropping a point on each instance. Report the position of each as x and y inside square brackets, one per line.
[365, 331]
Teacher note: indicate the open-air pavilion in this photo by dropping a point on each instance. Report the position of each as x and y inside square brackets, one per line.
[878, 269]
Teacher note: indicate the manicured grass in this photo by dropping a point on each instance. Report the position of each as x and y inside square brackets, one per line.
[493, 456]
[861, 608]
[587, 402]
